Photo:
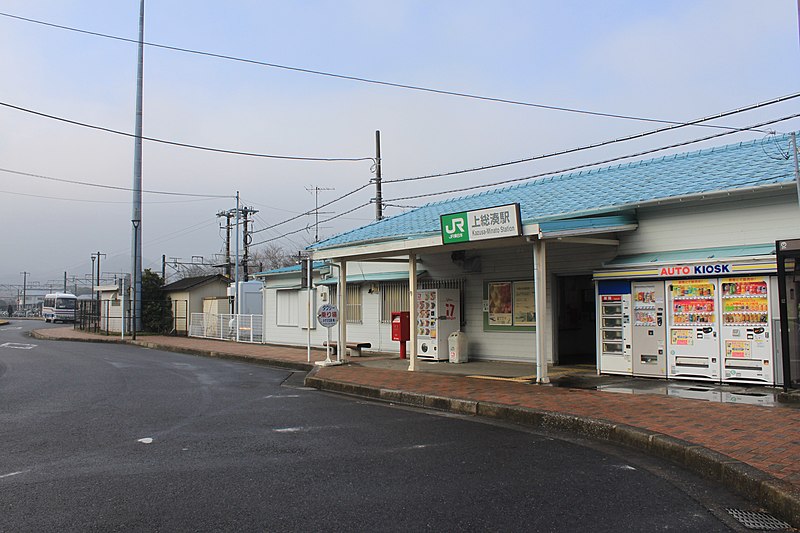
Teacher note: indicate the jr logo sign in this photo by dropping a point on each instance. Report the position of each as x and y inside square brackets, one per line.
[454, 228]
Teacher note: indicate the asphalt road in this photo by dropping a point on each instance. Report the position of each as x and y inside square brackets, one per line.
[98, 437]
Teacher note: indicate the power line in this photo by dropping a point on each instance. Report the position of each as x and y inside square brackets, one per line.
[83, 200]
[112, 187]
[342, 197]
[609, 142]
[586, 165]
[358, 78]
[308, 227]
[180, 144]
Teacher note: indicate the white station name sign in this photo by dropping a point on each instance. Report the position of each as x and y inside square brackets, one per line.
[481, 224]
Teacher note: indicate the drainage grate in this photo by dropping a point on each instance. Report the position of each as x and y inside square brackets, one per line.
[757, 520]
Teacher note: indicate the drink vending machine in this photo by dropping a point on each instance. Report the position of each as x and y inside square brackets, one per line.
[438, 315]
[649, 329]
[746, 335]
[693, 326]
[615, 328]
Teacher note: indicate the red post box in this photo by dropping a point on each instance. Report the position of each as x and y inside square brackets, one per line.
[401, 330]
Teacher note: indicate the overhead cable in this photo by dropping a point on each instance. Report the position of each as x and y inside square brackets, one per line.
[593, 164]
[326, 204]
[608, 142]
[308, 227]
[358, 78]
[184, 145]
[112, 187]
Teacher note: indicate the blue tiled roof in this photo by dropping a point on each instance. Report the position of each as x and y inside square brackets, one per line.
[291, 268]
[604, 190]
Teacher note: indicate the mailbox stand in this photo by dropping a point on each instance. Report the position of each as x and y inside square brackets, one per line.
[401, 322]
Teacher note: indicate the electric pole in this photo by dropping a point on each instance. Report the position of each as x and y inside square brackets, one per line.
[228, 215]
[247, 238]
[24, 289]
[378, 191]
[136, 208]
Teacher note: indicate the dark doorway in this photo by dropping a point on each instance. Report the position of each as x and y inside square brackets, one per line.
[576, 321]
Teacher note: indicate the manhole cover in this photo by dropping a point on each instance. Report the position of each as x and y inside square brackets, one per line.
[757, 520]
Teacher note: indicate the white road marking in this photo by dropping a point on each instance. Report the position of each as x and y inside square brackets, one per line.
[624, 467]
[17, 345]
[146, 440]
[278, 396]
[13, 474]
[289, 430]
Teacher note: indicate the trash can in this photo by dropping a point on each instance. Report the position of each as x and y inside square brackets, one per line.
[457, 347]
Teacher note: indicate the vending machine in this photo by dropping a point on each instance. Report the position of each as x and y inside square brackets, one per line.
[438, 315]
[615, 328]
[649, 329]
[746, 336]
[693, 330]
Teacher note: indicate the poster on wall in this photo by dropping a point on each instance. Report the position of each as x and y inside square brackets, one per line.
[500, 304]
[524, 304]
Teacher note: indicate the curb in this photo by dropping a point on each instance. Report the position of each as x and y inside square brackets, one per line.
[780, 498]
[277, 363]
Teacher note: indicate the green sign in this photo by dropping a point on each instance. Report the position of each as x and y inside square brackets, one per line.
[454, 228]
[481, 224]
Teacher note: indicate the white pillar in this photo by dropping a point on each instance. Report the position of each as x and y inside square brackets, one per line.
[412, 310]
[341, 350]
[540, 294]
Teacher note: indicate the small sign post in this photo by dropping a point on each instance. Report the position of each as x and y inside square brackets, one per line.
[328, 317]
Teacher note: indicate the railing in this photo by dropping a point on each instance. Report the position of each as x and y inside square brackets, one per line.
[241, 328]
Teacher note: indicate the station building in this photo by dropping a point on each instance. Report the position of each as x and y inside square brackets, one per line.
[563, 269]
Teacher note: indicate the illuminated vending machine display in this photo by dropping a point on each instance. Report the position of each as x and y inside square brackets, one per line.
[615, 334]
[438, 315]
[746, 339]
[692, 337]
[649, 329]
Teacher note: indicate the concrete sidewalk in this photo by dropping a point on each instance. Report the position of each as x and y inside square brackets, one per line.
[753, 450]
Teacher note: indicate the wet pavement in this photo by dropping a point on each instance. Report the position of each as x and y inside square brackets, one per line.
[749, 425]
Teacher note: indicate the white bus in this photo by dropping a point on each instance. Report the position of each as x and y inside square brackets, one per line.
[59, 306]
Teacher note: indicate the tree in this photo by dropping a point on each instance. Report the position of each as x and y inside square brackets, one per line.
[272, 256]
[156, 307]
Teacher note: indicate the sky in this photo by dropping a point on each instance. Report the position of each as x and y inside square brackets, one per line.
[670, 60]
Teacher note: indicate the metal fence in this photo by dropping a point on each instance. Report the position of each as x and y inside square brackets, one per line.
[241, 328]
[106, 316]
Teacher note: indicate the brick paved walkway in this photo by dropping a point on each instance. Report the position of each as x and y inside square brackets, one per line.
[767, 438]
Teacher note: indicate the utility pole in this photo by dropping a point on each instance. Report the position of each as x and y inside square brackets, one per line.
[65, 282]
[227, 214]
[164, 267]
[247, 238]
[315, 190]
[24, 290]
[98, 254]
[136, 207]
[378, 191]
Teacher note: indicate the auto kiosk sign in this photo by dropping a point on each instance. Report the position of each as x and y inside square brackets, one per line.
[695, 270]
[481, 224]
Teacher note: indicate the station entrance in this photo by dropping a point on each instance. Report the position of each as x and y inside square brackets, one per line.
[575, 321]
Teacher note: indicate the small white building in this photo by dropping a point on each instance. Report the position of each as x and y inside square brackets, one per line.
[188, 294]
[375, 289]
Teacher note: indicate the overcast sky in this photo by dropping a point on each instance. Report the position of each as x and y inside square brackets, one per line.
[666, 60]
